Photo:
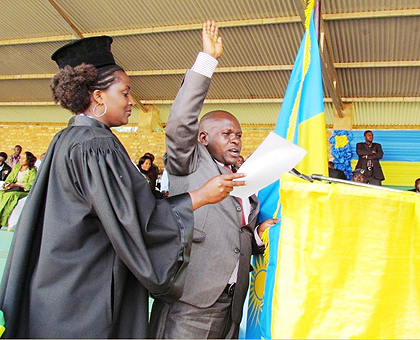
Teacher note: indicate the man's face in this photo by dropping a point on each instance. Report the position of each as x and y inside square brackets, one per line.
[223, 139]
[17, 150]
[359, 178]
[239, 162]
[417, 185]
[369, 137]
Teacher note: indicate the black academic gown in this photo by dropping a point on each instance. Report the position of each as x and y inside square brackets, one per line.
[91, 242]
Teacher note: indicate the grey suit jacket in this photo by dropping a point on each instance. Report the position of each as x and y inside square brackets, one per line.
[219, 238]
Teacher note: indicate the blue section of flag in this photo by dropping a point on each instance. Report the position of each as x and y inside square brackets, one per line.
[302, 101]
[252, 325]
[310, 105]
[265, 316]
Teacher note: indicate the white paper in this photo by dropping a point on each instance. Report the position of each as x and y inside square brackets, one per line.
[272, 158]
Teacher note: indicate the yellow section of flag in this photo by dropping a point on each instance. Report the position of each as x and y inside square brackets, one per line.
[349, 263]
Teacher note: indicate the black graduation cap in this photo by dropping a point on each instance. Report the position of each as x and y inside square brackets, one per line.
[95, 51]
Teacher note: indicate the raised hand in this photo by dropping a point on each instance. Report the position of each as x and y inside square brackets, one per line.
[212, 43]
[215, 189]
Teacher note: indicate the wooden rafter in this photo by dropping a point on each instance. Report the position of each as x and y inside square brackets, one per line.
[139, 103]
[240, 101]
[372, 14]
[66, 19]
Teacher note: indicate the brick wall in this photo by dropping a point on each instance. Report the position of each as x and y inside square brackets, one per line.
[36, 137]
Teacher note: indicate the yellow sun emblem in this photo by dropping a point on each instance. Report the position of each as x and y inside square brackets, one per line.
[257, 290]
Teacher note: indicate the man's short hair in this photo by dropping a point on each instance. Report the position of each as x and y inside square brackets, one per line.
[3, 154]
[367, 131]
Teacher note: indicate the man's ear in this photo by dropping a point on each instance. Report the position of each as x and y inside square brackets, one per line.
[203, 138]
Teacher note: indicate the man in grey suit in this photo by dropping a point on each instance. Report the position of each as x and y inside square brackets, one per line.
[224, 233]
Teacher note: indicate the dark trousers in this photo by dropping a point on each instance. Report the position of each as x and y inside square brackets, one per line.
[180, 320]
[374, 181]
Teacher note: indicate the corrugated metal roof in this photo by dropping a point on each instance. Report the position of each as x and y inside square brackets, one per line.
[247, 85]
[25, 90]
[377, 39]
[387, 114]
[255, 114]
[174, 50]
[29, 19]
[29, 58]
[90, 16]
[349, 6]
[380, 82]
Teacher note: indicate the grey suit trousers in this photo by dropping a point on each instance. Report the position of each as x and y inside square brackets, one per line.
[180, 320]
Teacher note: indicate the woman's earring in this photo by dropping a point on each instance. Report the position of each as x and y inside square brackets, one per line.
[103, 114]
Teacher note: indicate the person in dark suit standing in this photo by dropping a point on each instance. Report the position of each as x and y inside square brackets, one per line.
[369, 155]
[225, 235]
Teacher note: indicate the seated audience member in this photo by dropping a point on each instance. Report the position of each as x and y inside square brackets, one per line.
[14, 216]
[359, 176]
[416, 186]
[153, 172]
[239, 163]
[335, 173]
[39, 161]
[5, 169]
[17, 185]
[164, 184]
[14, 158]
[145, 163]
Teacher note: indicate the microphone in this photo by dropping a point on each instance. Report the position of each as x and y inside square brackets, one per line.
[300, 175]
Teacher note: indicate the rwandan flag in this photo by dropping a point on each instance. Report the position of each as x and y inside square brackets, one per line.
[301, 121]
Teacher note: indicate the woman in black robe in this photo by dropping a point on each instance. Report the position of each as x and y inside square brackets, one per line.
[92, 241]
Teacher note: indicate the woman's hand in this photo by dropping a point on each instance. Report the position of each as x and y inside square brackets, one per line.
[7, 186]
[215, 190]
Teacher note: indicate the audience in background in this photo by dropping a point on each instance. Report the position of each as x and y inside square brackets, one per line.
[153, 172]
[39, 161]
[164, 184]
[14, 158]
[145, 163]
[359, 176]
[17, 185]
[145, 166]
[5, 169]
[238, 164]
[416, 186]
[335, 173]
